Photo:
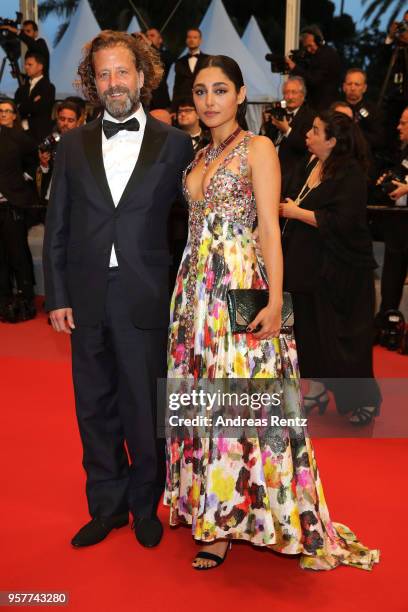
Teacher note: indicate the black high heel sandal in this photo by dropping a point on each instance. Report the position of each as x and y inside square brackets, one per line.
[321, 400]
[211, 557]
[363, 415]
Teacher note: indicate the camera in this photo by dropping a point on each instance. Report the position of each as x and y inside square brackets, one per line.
[276, 109]
[363, 113]
[393, 330]
[278, 61]
[387, 186]
[402, 27]
[50, 143]
[11, 46]
[14, 23]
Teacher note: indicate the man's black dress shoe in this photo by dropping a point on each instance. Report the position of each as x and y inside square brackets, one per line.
[97, 529]
[148, 531]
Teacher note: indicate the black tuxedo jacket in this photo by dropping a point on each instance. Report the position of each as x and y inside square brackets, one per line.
[292, 150]
[293, 153]
[83, 223]
[38, 113]
[18, 154]
[160, 96]
[322, 74]
[184, 78]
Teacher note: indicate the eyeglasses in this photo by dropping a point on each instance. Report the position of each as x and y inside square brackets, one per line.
[186, 110]
[7, 111]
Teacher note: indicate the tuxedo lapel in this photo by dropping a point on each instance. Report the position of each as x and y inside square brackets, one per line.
[153, 140]
[92, 139]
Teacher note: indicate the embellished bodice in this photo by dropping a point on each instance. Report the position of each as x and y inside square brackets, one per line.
[227, 209]
[229, 193]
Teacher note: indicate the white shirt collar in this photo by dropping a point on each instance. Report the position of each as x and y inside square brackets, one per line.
[139, 114]
[35, 80]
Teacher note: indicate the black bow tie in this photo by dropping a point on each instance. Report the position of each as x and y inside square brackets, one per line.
[110, 128]
[193, 55]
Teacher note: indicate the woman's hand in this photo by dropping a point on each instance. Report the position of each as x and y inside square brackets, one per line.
[270, 320]
[288, 209]
[401, 190]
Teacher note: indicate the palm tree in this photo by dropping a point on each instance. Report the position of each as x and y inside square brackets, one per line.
[378, 7]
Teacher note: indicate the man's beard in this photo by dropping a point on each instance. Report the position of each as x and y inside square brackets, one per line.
[123, 108]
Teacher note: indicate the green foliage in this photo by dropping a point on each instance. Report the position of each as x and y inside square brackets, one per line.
[376, 8]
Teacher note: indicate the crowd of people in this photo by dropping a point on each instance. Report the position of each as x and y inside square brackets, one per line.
[108, 185]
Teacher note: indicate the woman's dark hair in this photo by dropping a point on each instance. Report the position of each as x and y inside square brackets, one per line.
[350, 143]
[233, 72]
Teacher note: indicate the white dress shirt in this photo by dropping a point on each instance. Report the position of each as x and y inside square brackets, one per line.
[120, 154]
[33, 83]
[192, 61]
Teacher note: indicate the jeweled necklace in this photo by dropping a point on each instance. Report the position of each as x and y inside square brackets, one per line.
[212, 152]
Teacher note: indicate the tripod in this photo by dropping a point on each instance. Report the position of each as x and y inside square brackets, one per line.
[399, 59]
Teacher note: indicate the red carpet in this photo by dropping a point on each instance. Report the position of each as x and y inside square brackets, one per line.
[43, 504]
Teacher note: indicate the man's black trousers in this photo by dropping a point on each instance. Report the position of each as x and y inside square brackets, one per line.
[115, 369]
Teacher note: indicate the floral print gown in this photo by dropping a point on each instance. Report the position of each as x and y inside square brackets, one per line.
[265, 490]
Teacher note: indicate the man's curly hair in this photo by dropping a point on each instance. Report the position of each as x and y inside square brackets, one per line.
[146, 58]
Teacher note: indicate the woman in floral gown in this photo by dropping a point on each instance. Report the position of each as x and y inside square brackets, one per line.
[264, 490]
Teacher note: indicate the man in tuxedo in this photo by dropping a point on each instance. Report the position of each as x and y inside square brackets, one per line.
[289, 133]
[187, 66]
[189, 122]
[320, 69]
[106, 265]
[35, 99]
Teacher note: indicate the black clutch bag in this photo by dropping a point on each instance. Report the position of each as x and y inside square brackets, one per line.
[244, 305]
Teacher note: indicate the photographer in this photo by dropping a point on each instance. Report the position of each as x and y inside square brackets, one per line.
[68, 118]
[17, 195]
[287, 128]
[29, 36]
[365, 113]
[396, 229]
[398, 31]
[320, 68]
[35, 99]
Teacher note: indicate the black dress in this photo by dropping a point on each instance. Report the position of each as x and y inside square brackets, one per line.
[329, 271]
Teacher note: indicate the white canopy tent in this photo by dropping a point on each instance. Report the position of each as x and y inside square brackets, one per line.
[67, 54]
[134, 26]
[256, 44]
[221, 38]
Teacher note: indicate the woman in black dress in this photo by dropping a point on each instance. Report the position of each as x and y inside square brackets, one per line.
[328, 267]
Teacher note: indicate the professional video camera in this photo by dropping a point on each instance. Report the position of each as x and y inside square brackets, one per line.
[10, 44]
[276, 110]
[278, 61]
[50, 143]
[401, 28]
[386, 184]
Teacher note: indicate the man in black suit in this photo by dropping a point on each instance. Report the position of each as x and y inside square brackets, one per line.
[68, 118]
[289, 133]
[35, 99]
[29, 36]
[395, 267]
[17, 155]
[187, 66]
[320, 69]
[106, 263]
[365, 113]
[160, 95]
